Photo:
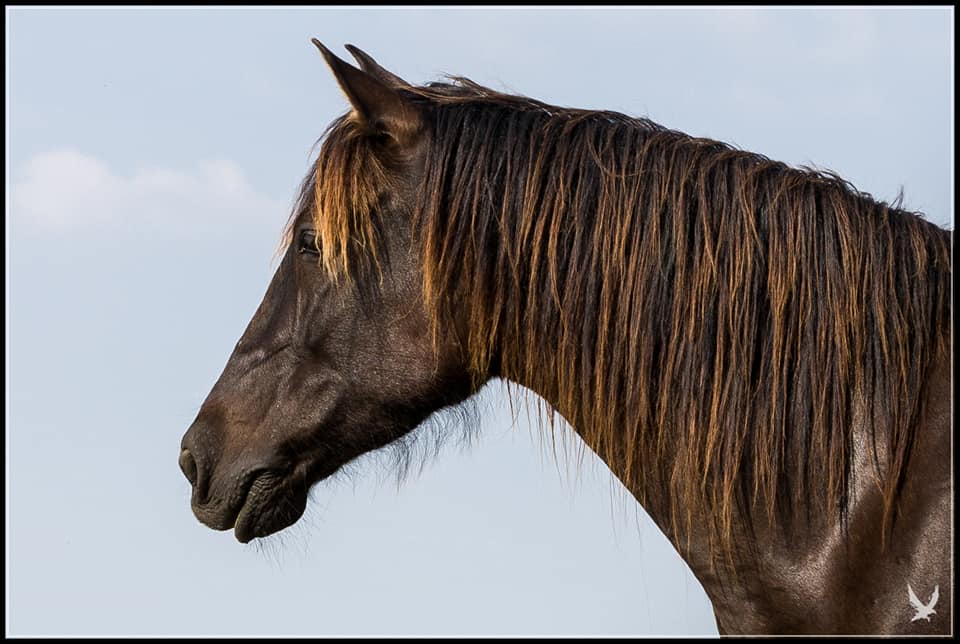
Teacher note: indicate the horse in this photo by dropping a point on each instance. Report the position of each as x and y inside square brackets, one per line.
[759, 352]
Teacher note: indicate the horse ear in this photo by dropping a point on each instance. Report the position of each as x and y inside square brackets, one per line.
[379, 106]
[369, 65]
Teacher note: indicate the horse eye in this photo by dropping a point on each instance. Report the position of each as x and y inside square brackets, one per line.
[307, 242]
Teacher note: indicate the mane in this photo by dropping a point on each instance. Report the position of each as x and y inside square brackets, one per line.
[695, 310]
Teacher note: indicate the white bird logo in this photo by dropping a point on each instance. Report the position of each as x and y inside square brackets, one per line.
[924, 611]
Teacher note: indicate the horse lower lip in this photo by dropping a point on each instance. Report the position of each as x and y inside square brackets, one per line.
[241, 530]
[242, 524]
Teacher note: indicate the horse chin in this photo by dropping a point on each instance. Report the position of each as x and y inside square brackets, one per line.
[270, 506]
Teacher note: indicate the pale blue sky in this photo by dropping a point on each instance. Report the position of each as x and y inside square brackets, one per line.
[152, 157]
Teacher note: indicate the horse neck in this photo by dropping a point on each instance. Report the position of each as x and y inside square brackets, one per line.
[742, 582]
[613, 301]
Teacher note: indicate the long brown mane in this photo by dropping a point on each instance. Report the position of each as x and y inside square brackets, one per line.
[695, 308]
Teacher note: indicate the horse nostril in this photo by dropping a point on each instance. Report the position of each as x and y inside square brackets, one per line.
[189, 466]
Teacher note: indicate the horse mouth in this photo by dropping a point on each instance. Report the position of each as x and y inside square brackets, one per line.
[270, 505]
[268, 501]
